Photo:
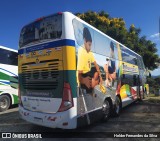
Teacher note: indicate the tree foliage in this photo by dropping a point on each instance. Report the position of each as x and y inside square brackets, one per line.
[116, 28]
[153, 83]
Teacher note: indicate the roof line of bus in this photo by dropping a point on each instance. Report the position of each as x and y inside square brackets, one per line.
[6, 48]
[42, 17]
[101, 32]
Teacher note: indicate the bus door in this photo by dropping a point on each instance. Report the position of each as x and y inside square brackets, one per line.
[139, 88]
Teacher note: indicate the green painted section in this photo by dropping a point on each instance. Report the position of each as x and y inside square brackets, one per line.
[128, 90]
[70, 77]
[54, 93]
[13, 81]
[14, 85]
[16, 99]
[64, 76]
[4, 76]
[1, 84]
[120, 70]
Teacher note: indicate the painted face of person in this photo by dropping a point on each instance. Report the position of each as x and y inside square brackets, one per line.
[88, 45]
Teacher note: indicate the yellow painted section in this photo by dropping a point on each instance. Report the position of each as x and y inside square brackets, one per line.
[147, 88]
[129, 68]
[102, 89]
[61, 58]
[119, 52]
[123, 93]
[69, 58]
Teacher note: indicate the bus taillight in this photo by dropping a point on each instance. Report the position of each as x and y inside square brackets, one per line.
[67, 100]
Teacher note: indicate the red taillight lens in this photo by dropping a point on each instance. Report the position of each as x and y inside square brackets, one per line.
[67, 100]
[39, 19]
[59, 13]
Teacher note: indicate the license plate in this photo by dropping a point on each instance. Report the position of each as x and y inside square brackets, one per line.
[37, 119]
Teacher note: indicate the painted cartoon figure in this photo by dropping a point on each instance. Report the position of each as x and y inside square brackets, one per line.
[88, 71]
[110, 67]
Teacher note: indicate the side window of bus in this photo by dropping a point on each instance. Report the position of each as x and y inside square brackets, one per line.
[13, 58]
[135, 61]
[83, 32]
[102, 46]
[128, 56]
[8, 57]
[105, 46]
[140, 63]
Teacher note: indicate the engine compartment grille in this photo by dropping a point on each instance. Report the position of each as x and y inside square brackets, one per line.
[45, 75]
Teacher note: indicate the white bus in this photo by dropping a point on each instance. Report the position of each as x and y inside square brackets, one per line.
[71, 74]
[8, 77]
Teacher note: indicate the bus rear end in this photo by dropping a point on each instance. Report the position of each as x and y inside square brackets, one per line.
[47, 83]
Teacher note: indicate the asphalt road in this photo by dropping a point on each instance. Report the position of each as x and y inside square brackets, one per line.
[137, 117]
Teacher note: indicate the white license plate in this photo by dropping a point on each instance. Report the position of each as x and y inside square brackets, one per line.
[37, 119]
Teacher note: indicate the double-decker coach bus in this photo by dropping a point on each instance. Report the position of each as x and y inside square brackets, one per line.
[71, 74]
[8, 77]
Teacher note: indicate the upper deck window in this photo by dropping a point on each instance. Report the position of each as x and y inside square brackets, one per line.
[128, 56]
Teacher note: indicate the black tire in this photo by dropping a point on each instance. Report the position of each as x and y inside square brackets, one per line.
[117, 107]
[4, 103]
[106, 109]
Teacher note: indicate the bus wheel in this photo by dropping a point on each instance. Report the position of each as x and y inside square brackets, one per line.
[117, 107]
[4, 103]
[106, 110]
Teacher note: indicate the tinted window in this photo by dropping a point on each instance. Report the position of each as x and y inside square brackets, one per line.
[102, 44]
[128, 56]
[8, 57]
[43, 29]
[140, 63]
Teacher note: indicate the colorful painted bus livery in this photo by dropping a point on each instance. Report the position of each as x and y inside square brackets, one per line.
[71, 74]
[8, 77]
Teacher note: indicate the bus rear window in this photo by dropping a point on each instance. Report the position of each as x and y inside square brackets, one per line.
[43, 29]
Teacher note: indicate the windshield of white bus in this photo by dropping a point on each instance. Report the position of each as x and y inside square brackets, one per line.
[42, 29]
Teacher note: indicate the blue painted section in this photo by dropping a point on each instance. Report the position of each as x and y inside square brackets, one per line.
[5, 82]
[64, 42]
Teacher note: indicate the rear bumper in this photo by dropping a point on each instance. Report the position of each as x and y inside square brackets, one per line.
[64, 120]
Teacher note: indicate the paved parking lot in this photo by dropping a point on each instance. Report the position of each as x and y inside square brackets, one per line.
[137, 117]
